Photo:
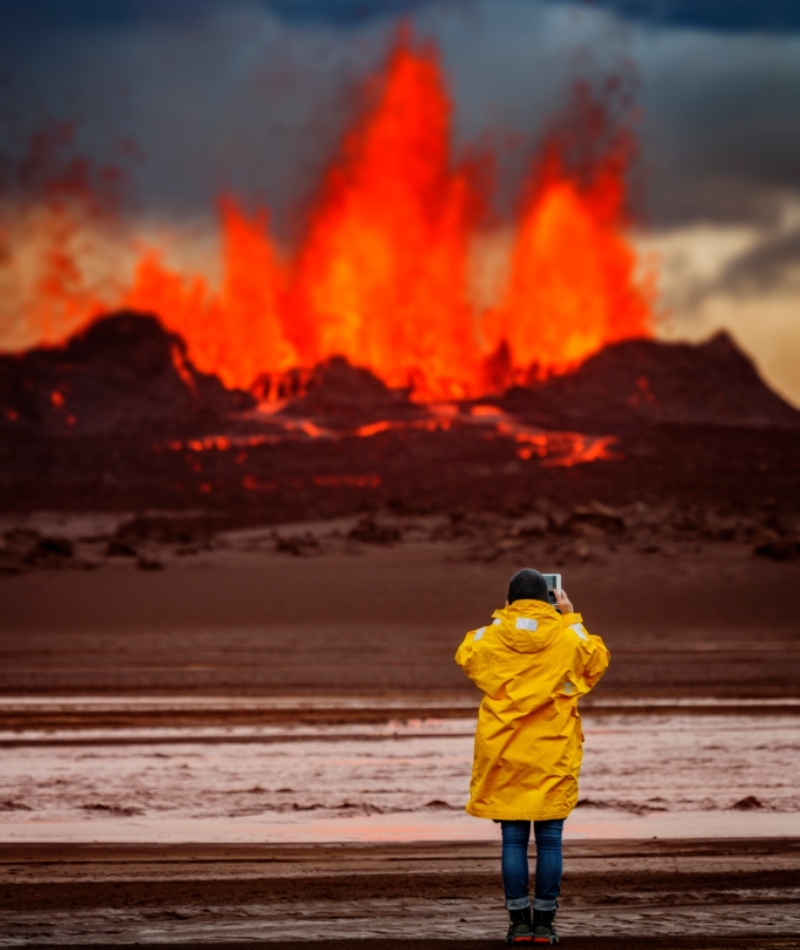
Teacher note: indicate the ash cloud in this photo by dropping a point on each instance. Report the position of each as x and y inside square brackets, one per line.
[254, 96]
[766, 265]
[731, 16]
[233, 100]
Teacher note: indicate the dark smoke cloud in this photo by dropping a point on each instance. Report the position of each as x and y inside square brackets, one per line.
[731, 15]
[253, 94]
[234, 99]
[727, 15]
[765, 266]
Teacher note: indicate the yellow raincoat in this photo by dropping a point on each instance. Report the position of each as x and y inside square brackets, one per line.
[532, 663]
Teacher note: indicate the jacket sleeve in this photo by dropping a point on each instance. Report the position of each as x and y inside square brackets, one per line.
[592, 658]
[465, 653]
[476, 659]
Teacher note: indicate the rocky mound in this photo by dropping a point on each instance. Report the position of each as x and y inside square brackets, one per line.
[338, 393]
[636, 381]
[123, 369]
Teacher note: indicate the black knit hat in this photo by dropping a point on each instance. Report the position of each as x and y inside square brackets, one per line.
[527, 584]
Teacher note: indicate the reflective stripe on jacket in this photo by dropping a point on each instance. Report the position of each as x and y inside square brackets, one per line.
[532, 664]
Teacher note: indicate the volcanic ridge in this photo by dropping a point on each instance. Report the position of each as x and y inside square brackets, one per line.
[119, 417]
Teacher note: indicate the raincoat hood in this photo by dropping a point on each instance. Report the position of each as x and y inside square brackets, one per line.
[541, 622]
[532, 664]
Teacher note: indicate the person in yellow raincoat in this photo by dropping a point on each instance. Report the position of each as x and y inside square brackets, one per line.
[532, 663]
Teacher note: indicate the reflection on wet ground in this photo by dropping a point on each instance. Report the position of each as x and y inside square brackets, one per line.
[728, 772]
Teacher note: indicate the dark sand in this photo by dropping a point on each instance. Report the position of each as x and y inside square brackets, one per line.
[701, 622]
[690, 942]
[698, 894]
[711, 620]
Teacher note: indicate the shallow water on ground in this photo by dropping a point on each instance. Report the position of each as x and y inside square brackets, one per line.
[643, 775]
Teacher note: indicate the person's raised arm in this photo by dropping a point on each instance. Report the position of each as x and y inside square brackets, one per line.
[595, 655]
[563, 602]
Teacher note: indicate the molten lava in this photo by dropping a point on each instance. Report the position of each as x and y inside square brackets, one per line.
[381, 274]
[572, 287]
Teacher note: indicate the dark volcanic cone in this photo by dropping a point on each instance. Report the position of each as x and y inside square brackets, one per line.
[340, 394]
[123, 369]
[638, 381]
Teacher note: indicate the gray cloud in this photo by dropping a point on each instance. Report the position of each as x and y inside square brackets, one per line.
[731, 16]
[238, 96]
[767, 265]
[722, 124]
[235, 100]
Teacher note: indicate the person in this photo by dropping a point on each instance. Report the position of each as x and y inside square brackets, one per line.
[532, 664]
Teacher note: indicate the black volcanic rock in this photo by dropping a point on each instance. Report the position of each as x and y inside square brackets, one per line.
[123, 369]
[637, 381]
[338, 391]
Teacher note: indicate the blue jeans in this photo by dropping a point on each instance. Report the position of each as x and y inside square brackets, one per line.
[516, 835]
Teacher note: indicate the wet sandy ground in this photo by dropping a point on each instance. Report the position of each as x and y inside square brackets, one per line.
[203, 895]
[645, 773]
[321, 829]
[306, 795]
[693, 941]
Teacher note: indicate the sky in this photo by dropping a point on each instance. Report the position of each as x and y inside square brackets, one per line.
[253, 95]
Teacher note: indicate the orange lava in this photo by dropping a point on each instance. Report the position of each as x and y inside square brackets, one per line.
[572, 288]
[551, 448]
[381, 274]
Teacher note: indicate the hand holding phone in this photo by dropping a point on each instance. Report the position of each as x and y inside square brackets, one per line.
[556, 595]
[563, 603]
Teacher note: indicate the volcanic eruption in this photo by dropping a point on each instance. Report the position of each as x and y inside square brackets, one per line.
[358, 367]
[381, 275]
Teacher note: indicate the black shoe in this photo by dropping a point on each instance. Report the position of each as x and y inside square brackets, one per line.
[521, 929]
[543, 929]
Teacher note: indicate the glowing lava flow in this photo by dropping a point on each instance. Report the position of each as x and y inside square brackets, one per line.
[381, 275]
[552, 448]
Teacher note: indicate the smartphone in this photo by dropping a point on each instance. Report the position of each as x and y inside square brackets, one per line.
[553, 583]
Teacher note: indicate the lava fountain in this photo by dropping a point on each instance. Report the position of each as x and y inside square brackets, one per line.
[381, 275]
